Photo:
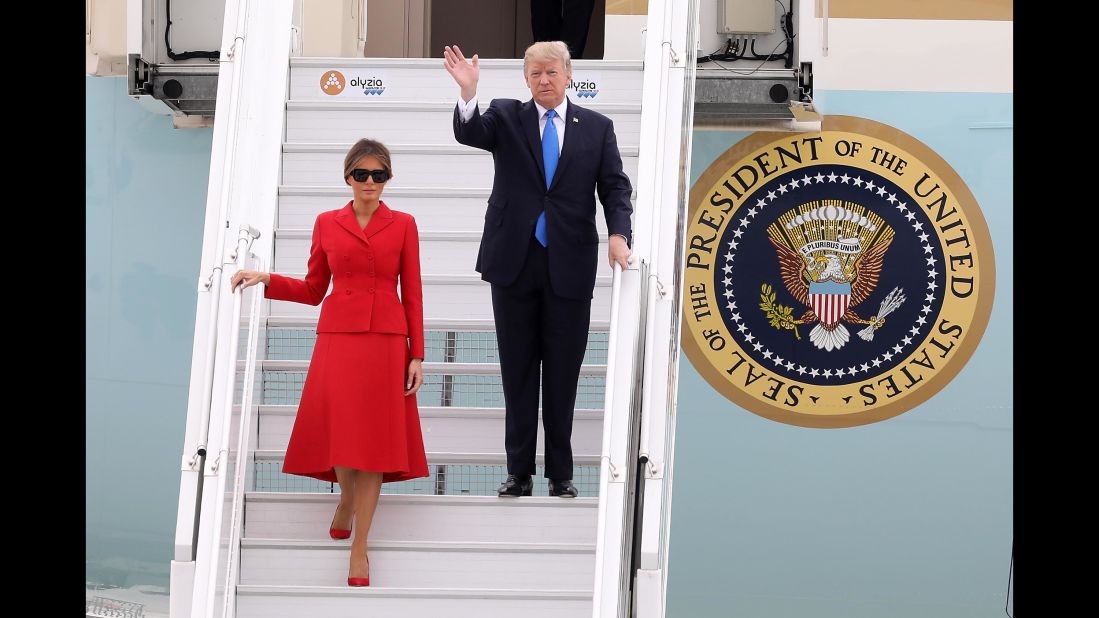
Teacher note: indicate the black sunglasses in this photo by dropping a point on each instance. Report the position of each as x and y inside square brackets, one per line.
[360, 175]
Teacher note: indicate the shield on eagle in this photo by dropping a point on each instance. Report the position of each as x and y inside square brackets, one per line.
[829, 300]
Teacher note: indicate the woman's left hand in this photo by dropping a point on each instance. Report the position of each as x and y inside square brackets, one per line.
[415, 377]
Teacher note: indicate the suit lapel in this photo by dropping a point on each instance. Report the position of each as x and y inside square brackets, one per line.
[346, 219]
[383, 216]
[528, 118]
[572, 141]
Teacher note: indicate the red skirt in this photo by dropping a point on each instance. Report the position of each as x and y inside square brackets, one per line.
[354, 413]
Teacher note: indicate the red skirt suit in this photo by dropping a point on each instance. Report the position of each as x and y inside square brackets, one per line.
[353, 411]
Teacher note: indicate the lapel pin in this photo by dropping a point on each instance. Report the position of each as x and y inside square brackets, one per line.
[575, 119]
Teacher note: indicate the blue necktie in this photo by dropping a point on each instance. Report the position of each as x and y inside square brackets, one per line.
[550, 154]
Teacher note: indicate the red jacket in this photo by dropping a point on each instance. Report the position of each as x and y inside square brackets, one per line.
[363, 267]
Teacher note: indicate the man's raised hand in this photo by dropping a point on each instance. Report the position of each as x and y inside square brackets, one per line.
[466, 74]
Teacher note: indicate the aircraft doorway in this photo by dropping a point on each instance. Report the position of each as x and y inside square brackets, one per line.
[489, 28]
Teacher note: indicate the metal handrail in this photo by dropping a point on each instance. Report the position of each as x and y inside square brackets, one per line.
[211, 523]
[246, 236]
[608, 389]
[244, 445]
[654, 288]
[608, 471]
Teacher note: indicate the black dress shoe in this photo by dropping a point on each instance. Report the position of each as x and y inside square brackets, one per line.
[517, 485]
[562, 489]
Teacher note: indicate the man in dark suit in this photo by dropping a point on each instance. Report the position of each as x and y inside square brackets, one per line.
[566, 20]
[539, 249]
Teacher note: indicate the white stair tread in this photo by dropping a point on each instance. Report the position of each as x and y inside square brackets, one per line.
[436, 593]
[447, 149]
[455, 324]
[432, 412]
[445, 429]
[446, 296]
[441, 253]
[436, 64]
[447, 106]
[307, 234]
[391, 500]
[449, 518]
[436, 211]
[473, 168]
[489, 458]
[420, 564]
[429, 368]
[424, 546]
[415, 122]
[341, 601]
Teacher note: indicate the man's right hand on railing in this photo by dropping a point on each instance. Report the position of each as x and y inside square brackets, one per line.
[248, 278]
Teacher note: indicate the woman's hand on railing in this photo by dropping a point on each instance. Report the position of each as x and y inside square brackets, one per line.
[248, 278]
[415, 377]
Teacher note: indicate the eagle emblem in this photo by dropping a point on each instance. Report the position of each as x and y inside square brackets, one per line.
[830, 255]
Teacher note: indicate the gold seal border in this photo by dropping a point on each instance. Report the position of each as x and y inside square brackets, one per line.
[735, 154]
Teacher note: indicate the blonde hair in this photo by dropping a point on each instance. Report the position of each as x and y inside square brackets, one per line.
[367, 148]
[548, 50]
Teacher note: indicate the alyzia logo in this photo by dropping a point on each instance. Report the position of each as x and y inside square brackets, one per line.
[369, 85]
[584, 89]
[332, 82]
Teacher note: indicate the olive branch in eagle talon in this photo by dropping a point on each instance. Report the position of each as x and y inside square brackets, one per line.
[779, 315]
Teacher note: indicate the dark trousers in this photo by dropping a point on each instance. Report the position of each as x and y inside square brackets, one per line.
[539, 332]
[562, 20]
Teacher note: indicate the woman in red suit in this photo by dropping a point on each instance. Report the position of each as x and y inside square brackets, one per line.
[357, 421]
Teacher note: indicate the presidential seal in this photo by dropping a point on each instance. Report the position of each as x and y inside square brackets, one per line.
[834, 279]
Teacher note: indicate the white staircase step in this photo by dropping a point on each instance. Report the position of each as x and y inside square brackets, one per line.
[452, 324]
[435, 209]
[445, 430]
[471, 369]
[450, 165]
[343, 602]
[447, 296]
[401, 564]
[429, 518]
[445, 208]
[414, 122]
[441, 253]
[425, 79]
[495, 457]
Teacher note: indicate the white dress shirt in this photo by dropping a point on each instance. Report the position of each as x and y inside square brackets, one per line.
[465, 109]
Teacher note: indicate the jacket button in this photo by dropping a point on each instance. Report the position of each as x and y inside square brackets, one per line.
[371, 290]
[349, 273]
[348, 291]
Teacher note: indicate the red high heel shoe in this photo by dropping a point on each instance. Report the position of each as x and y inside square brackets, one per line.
[358, 581]
[338, 533]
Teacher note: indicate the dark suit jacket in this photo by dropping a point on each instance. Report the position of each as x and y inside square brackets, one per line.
[589, 162]
[363, 267]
